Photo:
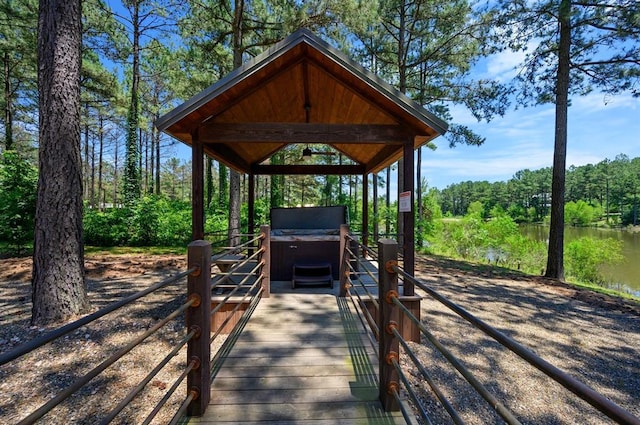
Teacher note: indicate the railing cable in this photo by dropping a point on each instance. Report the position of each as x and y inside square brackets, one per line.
[363, 312]
[427, 376]
[227, 345]
[192, 395]
[506, 414]
[412, 394]
[44, 409]
[236, 308]
[138, 388]
[192, 365]
[63, 330]
[585, 392]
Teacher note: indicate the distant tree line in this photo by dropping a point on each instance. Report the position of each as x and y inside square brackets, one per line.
[608, 191]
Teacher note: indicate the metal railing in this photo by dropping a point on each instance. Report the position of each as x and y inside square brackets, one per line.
[378, 301]
[243, 278]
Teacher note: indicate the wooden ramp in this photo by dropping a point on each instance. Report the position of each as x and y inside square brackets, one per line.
[302, 358]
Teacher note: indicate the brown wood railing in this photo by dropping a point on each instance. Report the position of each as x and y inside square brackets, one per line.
[246, 278]
[393, 322]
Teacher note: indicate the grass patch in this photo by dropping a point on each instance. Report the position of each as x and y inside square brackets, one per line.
[472, 267]
[125, 250]
[602, 290]
[7, 251]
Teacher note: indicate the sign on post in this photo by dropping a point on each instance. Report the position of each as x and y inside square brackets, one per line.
[404, 202]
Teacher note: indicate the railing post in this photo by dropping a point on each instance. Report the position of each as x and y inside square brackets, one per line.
[198, 317]
[344, 259]
[266, 257]
[388, 318]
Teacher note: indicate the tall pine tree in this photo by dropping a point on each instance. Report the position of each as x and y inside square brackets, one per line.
[59, 289]
[573, 48]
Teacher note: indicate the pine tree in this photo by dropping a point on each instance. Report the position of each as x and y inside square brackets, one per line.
[574, 48]
[59, 289]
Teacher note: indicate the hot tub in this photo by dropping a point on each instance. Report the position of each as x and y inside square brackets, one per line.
[305, 236]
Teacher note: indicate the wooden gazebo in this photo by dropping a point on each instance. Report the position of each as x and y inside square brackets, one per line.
[302, 91]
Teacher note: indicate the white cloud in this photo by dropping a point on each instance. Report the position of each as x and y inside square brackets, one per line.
[497, 162]
[504, 66]
[601, 102]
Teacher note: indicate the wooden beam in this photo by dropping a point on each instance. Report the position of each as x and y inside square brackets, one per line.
[228, 156]
[382, 156]
[197, 188]
[302, 133]
[335, 170]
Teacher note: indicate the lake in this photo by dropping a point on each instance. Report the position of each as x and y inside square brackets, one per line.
[624, 276]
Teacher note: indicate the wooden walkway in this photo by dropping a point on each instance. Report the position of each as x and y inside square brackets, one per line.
[302, 358]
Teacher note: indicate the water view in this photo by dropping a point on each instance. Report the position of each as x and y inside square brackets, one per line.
[624, 276]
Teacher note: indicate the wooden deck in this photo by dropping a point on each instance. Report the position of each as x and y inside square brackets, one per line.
[302, 358]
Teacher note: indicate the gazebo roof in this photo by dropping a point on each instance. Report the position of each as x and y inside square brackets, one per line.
[302, 90]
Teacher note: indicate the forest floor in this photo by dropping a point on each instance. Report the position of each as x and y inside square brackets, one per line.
[593, 337]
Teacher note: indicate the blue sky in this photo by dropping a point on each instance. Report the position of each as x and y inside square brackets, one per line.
[599, 127]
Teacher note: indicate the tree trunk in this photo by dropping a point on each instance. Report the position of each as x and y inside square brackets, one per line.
[152, 160]
[85, 167]
[277, 183]
[8, 105]
[209, 181]
[222, 185]
[92, 179]
[132, 158]
[555, 261]
[100, 154]
[234, 176]
[157, 138]
[419, 197]
[115, 176]
[145, 144]
[59, 290]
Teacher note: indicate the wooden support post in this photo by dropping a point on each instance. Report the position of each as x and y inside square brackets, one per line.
[266, 256]
[251, 204]
[344, 259]
[198, 317]
[365, 209]
[388, 317]
[197, 188]
[408, 247]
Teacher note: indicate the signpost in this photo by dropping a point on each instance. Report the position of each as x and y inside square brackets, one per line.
[404, 202]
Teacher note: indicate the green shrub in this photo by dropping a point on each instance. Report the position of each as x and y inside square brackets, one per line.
[18, 192]
[584, 256]
[174, 226]
[465, 238]
[580, 213]
[107, 228]
[146, 221]
[151, 221]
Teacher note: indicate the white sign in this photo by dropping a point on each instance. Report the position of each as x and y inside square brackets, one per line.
[404, 202]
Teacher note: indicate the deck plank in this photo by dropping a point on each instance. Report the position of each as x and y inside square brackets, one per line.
[302, 358]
